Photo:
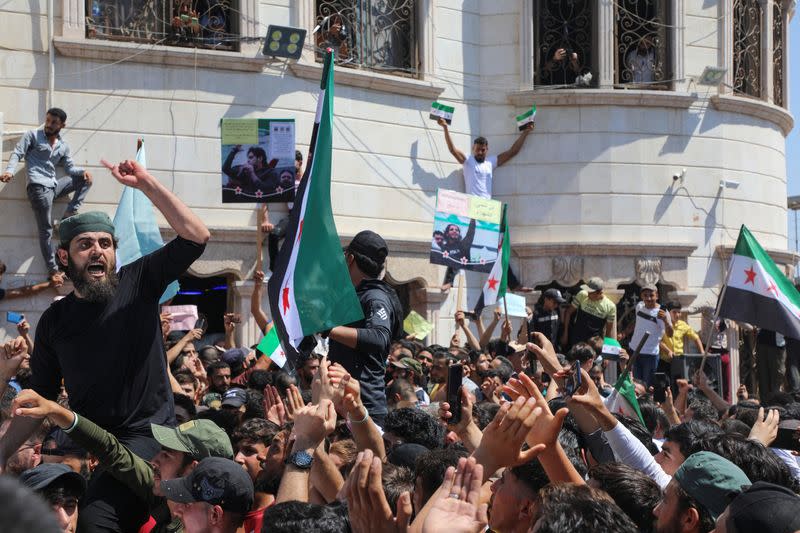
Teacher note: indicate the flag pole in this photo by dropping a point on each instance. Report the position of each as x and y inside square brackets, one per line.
[460, 294]
[714, 318]
[259, 238]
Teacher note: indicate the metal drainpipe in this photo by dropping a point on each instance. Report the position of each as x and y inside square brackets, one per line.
[51, 73]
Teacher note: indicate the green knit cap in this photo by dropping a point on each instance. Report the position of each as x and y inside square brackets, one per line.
[82, 223]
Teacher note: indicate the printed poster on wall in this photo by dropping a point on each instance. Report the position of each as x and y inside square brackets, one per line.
[466, 231]
[257, 160]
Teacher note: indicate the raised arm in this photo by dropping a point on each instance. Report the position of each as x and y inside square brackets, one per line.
[30, 290]
[19, 152]
[185, 223]
[458, 154]
[462, 323]
[261, 318]
[504, 157]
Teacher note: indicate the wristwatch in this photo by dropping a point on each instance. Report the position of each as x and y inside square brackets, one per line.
[301, 460]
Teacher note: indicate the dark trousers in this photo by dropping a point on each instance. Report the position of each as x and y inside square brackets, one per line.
[792, 365]
[513, 282]
[109, 505]
[645, 367]
[771, 369]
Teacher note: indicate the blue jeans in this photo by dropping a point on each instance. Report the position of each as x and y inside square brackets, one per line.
[42, 199]
[645, 367]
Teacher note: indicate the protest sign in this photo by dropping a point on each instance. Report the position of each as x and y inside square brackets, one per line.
[442, 111]
[414, 324]
[183, 318]
[514, 303]
[257, 160]
[466, 231]
[526, 118]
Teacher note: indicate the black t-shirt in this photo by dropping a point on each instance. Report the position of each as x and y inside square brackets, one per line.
[111, 355]
[545, 322]
[382, 325]
[2, 293]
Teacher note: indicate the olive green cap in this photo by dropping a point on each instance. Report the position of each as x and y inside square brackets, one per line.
[71, 227]
[198, 438]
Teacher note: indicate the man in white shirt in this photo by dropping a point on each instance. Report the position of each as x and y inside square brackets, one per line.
[478, 171]
[649, 318]
[640, 62]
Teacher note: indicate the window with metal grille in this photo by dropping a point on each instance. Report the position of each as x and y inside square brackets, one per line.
[641, 39]
[379, 35]
[778, 38]
[747, 18]
[211, 24]
[564, 46]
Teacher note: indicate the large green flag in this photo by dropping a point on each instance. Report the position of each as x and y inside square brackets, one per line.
[757, 292]
[497, 283]
[310, 290]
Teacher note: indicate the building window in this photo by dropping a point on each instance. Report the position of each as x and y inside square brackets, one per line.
[747, 47]
[778, 36]
[378, 35]
[564, 33]
[642, 44]
[190, 23]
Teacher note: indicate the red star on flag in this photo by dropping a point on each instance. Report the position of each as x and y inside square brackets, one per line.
[772, 288]
[286, 304]
[493, 283]
[751, 276]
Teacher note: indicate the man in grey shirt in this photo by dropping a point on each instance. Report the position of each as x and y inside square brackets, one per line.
[43, 150]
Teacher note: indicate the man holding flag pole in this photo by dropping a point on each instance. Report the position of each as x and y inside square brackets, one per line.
[315, 288]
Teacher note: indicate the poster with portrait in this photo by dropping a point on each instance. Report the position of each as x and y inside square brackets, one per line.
[466, 231]
[257, 160]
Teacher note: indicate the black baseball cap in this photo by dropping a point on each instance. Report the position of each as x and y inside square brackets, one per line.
[234, 398]
[555, 294]
[216, 481]
[64, 445]
[45, 474]
[370, 244]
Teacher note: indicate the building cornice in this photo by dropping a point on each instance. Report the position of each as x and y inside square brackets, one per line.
[783, 257]
[601, 97]
[370, 80]
[755, 108]
[549, 249]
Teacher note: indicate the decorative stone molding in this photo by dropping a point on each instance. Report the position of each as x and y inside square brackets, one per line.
[567, 270]
[648, 270]
[784, 258]
[755, 108]
[370, 80]
[597, 97]
[158, 54]
[536, 250]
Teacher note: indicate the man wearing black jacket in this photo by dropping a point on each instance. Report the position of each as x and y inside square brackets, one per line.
[362, 347]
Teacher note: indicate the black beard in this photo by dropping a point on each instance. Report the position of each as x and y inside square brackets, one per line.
[267, 483]
[92, 290]
[480, 159]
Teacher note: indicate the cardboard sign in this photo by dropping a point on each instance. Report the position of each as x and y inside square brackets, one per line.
[257, 160]
[515, 303]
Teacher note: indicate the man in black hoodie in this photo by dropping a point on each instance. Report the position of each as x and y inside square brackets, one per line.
[362, 347]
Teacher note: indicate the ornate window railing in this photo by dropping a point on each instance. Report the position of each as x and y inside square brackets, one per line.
[564, 51]
[378, 35]
[778, 38]
[641, 39]
[190, 23]
[747, 47]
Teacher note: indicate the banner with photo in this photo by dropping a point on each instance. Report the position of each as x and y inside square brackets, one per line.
[257, 160]
[466, 231]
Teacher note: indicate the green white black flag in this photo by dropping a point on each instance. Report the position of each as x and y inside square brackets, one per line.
[526, 118]
[442, 111]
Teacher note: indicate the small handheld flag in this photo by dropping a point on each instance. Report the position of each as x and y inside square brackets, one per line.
[526, 118]
[270, 346]
[442, 111]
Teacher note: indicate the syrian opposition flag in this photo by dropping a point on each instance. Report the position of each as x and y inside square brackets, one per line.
[270, 346]
[526, 118]
[442, 111]
[623, 400]
[497, 283]
[310, 289]
[757, 292]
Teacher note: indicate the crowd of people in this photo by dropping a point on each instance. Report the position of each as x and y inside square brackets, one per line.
[112, 421]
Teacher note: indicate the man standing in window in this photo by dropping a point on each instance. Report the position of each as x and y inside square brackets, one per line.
[478, 173]
[562, 68]
[43, 150]
[641, 62]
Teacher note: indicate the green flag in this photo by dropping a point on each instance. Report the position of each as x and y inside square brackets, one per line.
[623, 398]
[270, 346]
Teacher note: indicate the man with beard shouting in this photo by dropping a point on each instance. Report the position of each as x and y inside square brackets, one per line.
[104, 340]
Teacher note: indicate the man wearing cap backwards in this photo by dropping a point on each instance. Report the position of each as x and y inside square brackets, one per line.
[545, 318]
[699, 492]
[181, 449]
[214, 498]
[650, 318]
[595, 315]
[362, 347]
[61, 488]
[104, 339]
